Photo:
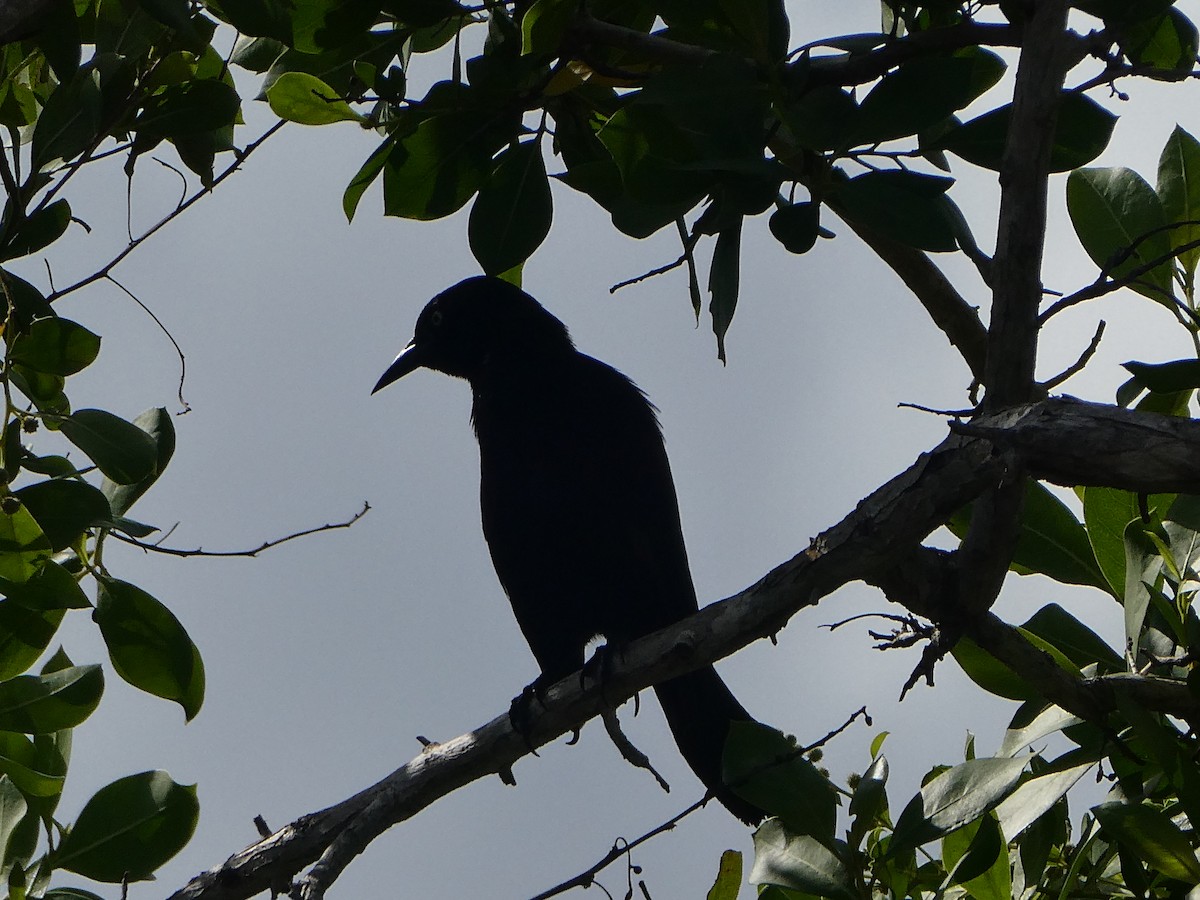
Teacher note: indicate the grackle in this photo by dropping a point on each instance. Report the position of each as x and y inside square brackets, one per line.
[579, 507]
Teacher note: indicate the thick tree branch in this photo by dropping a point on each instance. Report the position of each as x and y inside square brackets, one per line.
[984, 557]
[1065, 440]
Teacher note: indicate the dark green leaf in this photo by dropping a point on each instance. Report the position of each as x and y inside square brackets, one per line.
[259, 18]
[435, 168]
[796, 226]
[148, 646]
[130, 828]
[954, 798]
[24, 636]
[924, 91]
[362, 180]
[42, 228]
[908, 207]
[120, 449]
[1106, 512]
[35, 773]
[189, 108]
[157, 423]
[59, 39]
[40, 704]
[55, 346]
[1166, 44]
[800, 863]
[51, 587]
[69, 122]
[869, 802]
[256, 54]
[824, 118]
[71, 893]
[1151, 835]
[1078, 643]
[1168, 377]
[543, 25]
[995, 677]
[1120, 223]
[1083, 131]
[64, 509]
[762, 766]
[1179, 192]
[724, 276]
[319, 25]
[512, 214]
[300, 97]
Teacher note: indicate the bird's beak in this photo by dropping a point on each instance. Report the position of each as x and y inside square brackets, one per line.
[410, 358]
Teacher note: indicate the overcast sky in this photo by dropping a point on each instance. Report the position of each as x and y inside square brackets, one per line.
[327, 656]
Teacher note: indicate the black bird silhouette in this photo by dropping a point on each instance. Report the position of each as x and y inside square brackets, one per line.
[579, 507]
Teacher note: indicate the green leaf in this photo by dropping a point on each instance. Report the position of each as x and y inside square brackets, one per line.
[435, 168]
[1106, 512]
[189, 108]
[69, 122]
[40, 704]
[729, 877]
[978, 858]
[1078, 643]
[796, 226]
[157, 423]
[824, 118]
[64, 509]
[512, 214]
[319, 25]
[869, 802]
[120, 449]
[543, 25]
[29, 770]
[12, 810]
[148, 646]
[1152, 836]
[1120, 223]
[724, 277]
[130, 828]
[1179, 192]
[794, 789]
[1142, 565]
[300, 97]
[923, 91]
[363, 179]
[1034, 798]
[42, 228]
[798, 862]
[1019, 737]
[908, 207]
[1166, 378]
[954, 798]
[24, 635]
[1166, 44]
[23, 546]
[1083, 131]
[55, 346]
[59, 38]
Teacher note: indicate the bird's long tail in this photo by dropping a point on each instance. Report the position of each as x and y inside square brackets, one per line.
[699, 708]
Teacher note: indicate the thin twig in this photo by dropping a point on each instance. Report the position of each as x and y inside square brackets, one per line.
[133, 245]
[170, 337]
[253, 552]
[1077, 367]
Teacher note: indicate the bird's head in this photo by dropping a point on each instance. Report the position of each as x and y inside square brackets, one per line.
[476, 322]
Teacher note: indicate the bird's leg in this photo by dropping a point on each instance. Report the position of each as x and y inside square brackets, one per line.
[599, 667]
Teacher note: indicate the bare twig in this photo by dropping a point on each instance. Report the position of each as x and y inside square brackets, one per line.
[252, 552]
[170, 337]
[1079, 364]
[104, 270]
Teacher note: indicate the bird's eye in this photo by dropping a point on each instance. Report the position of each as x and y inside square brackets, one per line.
[435, 318]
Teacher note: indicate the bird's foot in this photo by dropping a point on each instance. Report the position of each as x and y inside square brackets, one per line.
[520, 711]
